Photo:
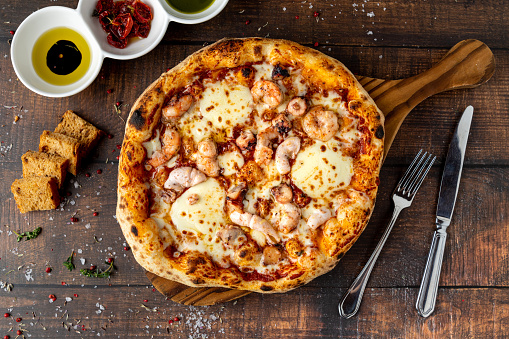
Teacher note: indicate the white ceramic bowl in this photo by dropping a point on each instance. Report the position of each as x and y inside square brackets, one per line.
[82, 21]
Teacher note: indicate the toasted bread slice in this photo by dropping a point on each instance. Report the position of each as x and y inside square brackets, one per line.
[44, 164]
[63, 145]
[74, 126]
[36, 193]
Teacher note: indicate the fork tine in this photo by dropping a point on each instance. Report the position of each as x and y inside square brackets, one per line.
[408, 172]
[414, 173]
[426, 168]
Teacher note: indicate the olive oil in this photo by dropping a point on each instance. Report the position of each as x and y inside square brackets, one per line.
[190, 6]
[61, 56]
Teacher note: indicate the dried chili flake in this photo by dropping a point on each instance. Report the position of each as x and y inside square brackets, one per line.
[11, 32]
[87, 175]
[110, 136]
[316, 14]
[75, 295]
[95, 214]
[109, 91]
[315, 44]
[297, 17]
[248, 22]
[7, 315]
[99, 171]
[48, 269]
[19, 332]
[126, 248]
[18, 320]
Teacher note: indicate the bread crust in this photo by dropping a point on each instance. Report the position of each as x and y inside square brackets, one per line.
[196, 269]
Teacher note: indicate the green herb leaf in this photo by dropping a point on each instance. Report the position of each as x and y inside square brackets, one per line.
[29, 235]
[68, 263]
[97, 273]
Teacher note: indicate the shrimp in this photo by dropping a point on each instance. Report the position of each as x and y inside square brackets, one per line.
[184, 177]
[288, 149]
[267, 92]
[206, 159]
[290, 217]
[256, 223]
[177, 106]
[171, 145]
[246, 140]
[282, 193]
[297, 106]
[320, 124]
[271, 255]
[319, 217]
[232, 236]
[263, 153]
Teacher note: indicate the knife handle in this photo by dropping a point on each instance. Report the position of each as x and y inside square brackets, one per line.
[429, 285]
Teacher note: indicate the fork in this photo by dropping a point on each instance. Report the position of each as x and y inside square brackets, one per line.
[403, 196]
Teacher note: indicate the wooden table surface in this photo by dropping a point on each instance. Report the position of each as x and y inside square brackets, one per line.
[386, 39]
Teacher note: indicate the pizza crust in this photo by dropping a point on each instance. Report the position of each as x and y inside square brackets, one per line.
[158, 254]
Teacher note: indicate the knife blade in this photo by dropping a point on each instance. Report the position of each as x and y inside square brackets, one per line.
[447, 198]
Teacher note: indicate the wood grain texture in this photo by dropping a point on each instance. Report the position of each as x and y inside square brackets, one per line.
[379, 39]
[307, 312]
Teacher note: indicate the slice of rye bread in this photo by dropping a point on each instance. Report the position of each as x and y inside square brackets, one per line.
[63, 145]
[36, 193]
[44, 164]
[74, 126]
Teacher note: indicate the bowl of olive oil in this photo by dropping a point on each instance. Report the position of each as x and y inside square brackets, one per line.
[53, 54]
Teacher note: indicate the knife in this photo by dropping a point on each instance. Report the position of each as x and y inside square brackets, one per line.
[446, 200]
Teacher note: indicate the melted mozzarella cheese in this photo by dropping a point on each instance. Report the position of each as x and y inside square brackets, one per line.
[230, 162]
[321, 169]
[206, 215]
[225, 105]
[263, 71]
[332, 101]
[152, 145]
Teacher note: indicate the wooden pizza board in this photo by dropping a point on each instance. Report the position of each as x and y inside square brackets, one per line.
[468, 64]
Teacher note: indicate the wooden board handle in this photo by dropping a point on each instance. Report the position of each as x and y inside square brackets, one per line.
[468, 64]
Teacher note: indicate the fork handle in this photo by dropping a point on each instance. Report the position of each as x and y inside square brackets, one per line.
[429, 286]
[351, 301]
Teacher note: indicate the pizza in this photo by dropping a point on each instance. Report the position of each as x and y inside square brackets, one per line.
[253, 164]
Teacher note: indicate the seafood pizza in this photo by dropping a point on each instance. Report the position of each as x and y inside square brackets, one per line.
[253, 164]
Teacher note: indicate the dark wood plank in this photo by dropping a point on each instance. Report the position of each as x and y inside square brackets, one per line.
[381, 23]
[305, 313]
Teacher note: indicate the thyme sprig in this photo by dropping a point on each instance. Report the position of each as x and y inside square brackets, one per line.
[97, 273]
[68, 263]
[28, 235]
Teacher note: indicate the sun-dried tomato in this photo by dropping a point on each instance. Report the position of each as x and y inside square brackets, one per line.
[134, 30]
[115, 42]
[142, 12]
[123, 20]
[121, 25]
[104, 5]
[143, 30]
[105, 18]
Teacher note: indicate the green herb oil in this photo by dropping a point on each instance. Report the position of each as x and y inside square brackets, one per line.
[190, 6]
